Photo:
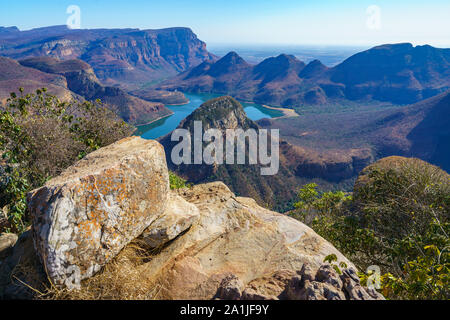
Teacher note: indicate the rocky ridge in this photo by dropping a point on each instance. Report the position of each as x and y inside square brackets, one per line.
[396, 73]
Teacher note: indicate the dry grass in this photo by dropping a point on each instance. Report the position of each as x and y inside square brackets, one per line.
[123, 278]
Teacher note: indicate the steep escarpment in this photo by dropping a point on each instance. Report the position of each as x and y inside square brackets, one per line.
[81, 79]
[128, 57]
[420, 130]
[118, 198]
[397, 73]
[13, 76]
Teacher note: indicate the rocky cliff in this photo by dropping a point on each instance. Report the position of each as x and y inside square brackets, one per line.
[128, 57]
[196, 243]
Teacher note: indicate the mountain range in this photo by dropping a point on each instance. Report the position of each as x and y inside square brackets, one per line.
[420, 130]
[397, 73]
[354, 117]
[125, 57]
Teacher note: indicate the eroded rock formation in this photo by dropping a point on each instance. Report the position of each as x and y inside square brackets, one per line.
[84, 217]
[204, 242]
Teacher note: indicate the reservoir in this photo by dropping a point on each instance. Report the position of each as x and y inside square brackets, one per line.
[163, 126]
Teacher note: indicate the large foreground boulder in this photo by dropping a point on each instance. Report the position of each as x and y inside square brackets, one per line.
[84, 217]
[114, 211]
[177, 218]
[236, 241]
[7, 242]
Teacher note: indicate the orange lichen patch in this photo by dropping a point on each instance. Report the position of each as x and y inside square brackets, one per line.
[87, 231]
[97, 195]
[96, 188]
[113, 204]
[96, 207]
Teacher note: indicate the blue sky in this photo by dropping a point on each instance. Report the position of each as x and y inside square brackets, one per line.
[324, 22]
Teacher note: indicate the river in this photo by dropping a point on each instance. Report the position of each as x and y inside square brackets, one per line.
[163, 126]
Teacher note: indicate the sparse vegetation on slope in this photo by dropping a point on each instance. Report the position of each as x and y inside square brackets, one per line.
[39, 137]
[81, 80]
[397, 219]
[176, 182]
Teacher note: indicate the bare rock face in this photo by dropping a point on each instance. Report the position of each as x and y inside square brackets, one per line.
[177, 218]
[234, 235]
[84, 217]
[271, 287]
[305, 284]
[230, 288]
[325, 285]
[7, 242]
[211, 243]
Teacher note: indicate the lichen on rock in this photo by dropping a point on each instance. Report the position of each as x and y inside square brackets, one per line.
[84, 217]
[198, 242]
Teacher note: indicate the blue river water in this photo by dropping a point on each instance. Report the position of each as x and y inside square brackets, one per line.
[163, 126]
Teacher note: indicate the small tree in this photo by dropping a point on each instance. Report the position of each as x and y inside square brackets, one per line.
[40, 136]
[397, 218]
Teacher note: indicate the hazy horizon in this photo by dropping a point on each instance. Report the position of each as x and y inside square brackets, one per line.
[257, 44]
[255, 22]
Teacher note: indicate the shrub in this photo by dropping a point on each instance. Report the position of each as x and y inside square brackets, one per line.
[176, 182]
[398, 219]
[40, 136]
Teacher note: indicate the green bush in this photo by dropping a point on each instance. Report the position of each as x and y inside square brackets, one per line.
[398, 219]
[176, 182]
[40, 136]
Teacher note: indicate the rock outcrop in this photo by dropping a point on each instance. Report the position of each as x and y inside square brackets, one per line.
[234, 241]
[202, 242]
[84, 217]
[305, 284]
[177, 218]
[20, 270]
[7, 242]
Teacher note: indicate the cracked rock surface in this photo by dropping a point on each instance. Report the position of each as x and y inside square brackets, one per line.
[204, 242]
[85, 216]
